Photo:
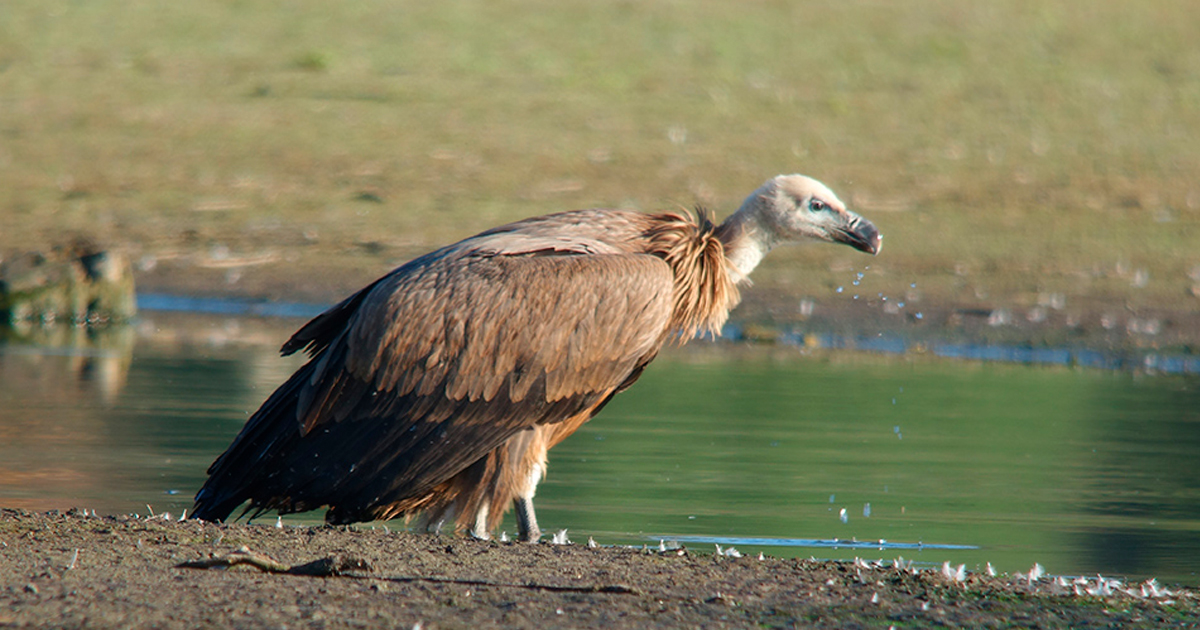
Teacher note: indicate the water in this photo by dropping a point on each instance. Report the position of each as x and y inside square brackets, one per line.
[835, 454]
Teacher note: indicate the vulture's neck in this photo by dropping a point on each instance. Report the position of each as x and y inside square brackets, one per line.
[746, 240]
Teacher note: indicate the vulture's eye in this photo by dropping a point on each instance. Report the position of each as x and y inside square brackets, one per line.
[816, 205]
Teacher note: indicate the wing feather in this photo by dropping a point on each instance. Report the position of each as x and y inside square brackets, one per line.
[439, 363]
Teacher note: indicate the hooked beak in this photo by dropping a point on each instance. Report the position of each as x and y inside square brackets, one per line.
[860, 234]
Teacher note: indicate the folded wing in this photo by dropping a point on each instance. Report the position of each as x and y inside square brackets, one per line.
[422, 373]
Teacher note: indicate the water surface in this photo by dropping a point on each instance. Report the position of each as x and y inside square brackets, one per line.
[772, 448]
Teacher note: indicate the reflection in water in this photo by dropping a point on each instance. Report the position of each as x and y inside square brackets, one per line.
[1084, 471]
[96, 359]
[92, 417]
[55, 383]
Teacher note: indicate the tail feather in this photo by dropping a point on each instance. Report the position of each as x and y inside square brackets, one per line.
[237, 475]
[210, 507]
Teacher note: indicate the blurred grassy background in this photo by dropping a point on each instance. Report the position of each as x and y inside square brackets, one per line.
[1014, 153]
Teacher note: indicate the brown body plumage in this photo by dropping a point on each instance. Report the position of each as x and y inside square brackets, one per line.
[440, 387]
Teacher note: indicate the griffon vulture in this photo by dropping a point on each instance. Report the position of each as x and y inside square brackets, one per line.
[439, 388]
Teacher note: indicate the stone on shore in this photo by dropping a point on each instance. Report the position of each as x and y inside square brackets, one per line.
[80, 284]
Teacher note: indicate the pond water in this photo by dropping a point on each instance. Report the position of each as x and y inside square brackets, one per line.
[832, 454]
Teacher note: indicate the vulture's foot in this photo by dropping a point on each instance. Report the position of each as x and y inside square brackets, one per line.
[527, 527]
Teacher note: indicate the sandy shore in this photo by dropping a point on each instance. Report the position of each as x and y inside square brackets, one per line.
[74, 569]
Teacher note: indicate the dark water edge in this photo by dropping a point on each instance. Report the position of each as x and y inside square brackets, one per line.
[892, 342]
[875, 335]
[165, 302]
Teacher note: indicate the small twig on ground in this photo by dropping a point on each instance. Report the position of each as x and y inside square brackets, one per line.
[339, 565]
[328, 566]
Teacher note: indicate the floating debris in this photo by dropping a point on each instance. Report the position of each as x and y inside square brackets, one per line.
[1150, 588]
[728, 552]
[954, 574]
[1036, 572]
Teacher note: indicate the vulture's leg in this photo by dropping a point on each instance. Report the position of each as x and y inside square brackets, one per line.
[527, 527]
[480, 530]
[525, 460]
[432, 522]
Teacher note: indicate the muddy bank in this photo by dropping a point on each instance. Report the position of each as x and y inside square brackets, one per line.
[72, 570]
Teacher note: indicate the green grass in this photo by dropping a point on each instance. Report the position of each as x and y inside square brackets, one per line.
[1004, 148]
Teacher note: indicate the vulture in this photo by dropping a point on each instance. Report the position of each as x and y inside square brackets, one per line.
[438, 389]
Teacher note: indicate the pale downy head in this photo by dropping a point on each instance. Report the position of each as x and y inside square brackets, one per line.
[789, 209]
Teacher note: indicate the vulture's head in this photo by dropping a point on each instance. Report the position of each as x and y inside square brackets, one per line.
[798, 208]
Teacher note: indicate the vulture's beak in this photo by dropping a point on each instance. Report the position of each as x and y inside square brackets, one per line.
[860, 234]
